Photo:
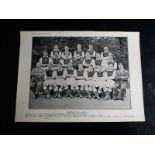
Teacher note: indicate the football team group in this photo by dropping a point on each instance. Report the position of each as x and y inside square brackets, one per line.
[79, 74]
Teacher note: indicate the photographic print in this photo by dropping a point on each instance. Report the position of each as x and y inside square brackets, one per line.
[79, 73]
[74, 76]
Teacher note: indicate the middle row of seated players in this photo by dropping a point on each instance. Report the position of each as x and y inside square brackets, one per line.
[77, 81]
[86, 59]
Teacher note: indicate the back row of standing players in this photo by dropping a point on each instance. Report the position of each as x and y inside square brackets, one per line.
[78, 73]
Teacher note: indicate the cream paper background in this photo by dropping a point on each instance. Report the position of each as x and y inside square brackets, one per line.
[136, 113]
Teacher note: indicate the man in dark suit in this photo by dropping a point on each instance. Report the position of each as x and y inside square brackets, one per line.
[121, 82]
[37, 78]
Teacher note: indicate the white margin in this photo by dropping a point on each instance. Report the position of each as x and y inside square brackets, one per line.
[22, 101]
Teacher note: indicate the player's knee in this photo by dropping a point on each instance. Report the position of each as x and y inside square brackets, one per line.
[90, 88]
[123, 86]
[77, 88]
[86, 88]
[72, 87]
[94, 90]
[100, 90]
[56, 88]
[60, 89]
[65, 87]
[82, 88]
[44, 87]
[105, 89]
[50, 87]
[39, 84]
[109, 89]
[96, 86]
[114, 87]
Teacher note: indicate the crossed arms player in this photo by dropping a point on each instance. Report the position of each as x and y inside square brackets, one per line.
[109, 80]
[80, 76]
[90, 82]
[88, 61]
[59, 81]
[45, 60]
[79, 51]
[91, 51]
[55, 51]
[70, 82]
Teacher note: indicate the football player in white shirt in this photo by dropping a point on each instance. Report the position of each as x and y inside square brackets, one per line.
[49, 81]
[55, 51]
[90, 83]
[97, 62]
[88, 61]
[80, 76]
[79, 51]
[66, 61]
[66, 53]
[76, 61]
[105, 53]
[111, 60]
[56, 61]
[99, 78]
[109, 80]
[59, 81]
[105, 56]
[91, 51]
[69, 86]
[45, 60]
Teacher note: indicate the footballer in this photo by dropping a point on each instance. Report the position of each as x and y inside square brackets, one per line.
[79, 51]
[55, 51]
[97, 62]
[59, 81]
[80, 76]
[91, 51]
[89, 83]
[88, 61]
[69, 86]
[99, 78]
[49, 81]
[66, 53]
[45, 60]
[37, 78]
[109, 80]
[77, 61]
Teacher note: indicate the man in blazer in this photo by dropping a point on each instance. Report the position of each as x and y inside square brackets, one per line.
[121, 82]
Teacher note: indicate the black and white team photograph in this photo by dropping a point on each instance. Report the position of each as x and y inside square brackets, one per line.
[89, 73]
